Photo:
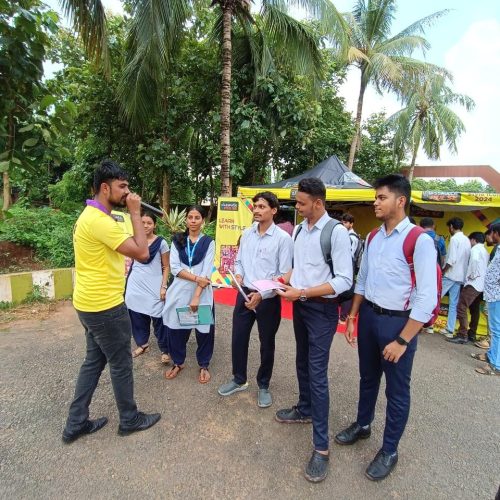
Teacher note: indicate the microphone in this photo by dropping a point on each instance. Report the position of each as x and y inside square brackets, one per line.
[153, 209]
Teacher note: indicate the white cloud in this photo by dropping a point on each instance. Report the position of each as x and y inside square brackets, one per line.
[475, 63]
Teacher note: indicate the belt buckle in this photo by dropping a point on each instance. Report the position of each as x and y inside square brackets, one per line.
[379, 309]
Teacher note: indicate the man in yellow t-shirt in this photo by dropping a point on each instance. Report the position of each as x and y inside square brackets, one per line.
[100, 246]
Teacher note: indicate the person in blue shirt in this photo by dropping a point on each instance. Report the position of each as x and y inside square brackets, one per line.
[314, 289]
[427, 224]
[391, 313]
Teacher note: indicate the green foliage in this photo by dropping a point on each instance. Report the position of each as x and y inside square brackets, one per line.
[210, 228]
[375, 157]
[451, 186]
[48, 231]
[38, 294]
[174, 220]
[31, 119]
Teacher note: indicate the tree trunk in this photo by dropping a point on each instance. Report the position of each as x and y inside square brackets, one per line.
[7, 198]
[165, 192]
[212, 195]
[412, 164]
[357, 133]
[225, 126]
[6, 191]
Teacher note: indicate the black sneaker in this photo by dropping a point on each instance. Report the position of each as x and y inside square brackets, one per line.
[317, 468]
[292, 416]
[144, 421]
[352, 434]
[89, 427]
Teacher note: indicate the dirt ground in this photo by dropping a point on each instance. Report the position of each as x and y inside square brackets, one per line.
[207, 446]
[17, 258]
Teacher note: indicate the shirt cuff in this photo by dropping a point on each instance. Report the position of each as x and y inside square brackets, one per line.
[339, 285]
[359, 289]
[419, 315]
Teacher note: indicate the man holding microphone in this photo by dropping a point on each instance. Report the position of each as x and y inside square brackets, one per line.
[100, 246]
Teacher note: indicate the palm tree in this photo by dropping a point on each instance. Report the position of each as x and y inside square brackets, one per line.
[427, 120]
[155, 32]
[383, 60]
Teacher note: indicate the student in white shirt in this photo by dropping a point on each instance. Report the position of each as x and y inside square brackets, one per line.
[472, 290]
[455, 271]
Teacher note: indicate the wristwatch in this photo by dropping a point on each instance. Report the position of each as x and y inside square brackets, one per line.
[401, 341]
[302, 296]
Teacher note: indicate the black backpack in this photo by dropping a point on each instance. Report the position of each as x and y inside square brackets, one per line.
[358, 254]
[326, 249]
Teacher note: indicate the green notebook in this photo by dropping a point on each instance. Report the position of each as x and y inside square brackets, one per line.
[201, 317]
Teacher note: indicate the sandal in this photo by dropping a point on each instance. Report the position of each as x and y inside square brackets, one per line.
[140, 350]
[165, 358]
[482, 356]
[203, 379]
[173, 372]
[488, 370]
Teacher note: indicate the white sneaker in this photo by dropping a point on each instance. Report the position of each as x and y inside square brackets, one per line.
[429, 329]
[443, 331]
[449, 335]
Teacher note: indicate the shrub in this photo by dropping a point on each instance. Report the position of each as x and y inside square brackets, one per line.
[46, 230]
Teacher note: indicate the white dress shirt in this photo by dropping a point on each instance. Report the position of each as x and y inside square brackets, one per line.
[458, 257]
[476, 270]
[263, 256]
[384, 276]
[309, 266]
[353, 236]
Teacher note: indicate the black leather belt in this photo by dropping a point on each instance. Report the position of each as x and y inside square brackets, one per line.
[323, 300]
[388, 312]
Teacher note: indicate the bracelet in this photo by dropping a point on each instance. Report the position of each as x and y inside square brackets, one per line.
[165, 286]
[351, 317]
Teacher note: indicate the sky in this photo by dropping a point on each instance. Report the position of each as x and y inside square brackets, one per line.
[466, 42]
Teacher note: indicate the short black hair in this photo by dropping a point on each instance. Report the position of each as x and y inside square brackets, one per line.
[495, 228]
[271, 198]
[108, 171]
[456, 223]
[348, 218]
[151, 215]
[395, 183]
[314, 187]
[477, 236]
[426, 222]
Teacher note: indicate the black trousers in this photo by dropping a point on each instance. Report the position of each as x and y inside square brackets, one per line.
[268, 317]
[108, 342]
[314, 325]
[375, 331]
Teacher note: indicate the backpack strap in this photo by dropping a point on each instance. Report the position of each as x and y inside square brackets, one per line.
[372, 234]
[325, 241]
[408, 249]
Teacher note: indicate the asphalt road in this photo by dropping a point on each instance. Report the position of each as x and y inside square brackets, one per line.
[209, 447]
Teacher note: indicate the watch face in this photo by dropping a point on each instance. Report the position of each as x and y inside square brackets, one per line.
[302, 298]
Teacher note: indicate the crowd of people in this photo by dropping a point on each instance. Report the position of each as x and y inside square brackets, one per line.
[321, 266]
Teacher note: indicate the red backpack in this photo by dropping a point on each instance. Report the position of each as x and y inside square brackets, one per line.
[408, 250]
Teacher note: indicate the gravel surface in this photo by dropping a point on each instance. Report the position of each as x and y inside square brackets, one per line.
[206, 446]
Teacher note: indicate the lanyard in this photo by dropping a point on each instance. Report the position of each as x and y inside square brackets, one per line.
[190, 252]
[98, 205]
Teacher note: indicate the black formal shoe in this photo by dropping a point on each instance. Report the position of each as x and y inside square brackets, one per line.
[317, 468]
[458, 340]
[144, 421]
[471, 336]
[352, 434]
[89, 427]
[381, 466]
[292, 416]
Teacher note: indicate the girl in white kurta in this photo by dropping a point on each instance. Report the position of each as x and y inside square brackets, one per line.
[191, 262]
[146, 290]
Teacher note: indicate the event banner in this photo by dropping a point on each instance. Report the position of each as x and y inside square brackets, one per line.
[234, 215]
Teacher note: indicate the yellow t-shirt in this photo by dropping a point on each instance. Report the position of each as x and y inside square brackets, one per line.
[99, 279]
